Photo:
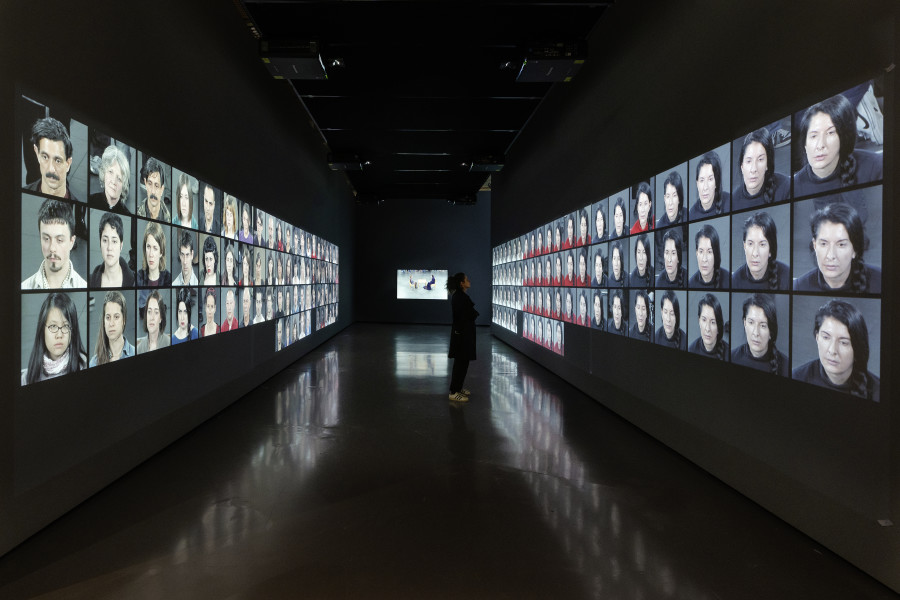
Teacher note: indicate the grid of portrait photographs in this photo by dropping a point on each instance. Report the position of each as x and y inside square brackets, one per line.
[765, 252]
[124, 254]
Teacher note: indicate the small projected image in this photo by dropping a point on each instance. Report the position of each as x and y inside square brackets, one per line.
[416, 284]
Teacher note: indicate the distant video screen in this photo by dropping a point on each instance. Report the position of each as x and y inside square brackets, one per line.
[124, 254]
[765, 252]
[421, 284]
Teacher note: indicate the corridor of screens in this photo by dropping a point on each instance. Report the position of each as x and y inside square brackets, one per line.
[765, 252]
[124, 254]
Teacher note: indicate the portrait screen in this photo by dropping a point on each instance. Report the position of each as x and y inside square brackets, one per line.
[421, 284]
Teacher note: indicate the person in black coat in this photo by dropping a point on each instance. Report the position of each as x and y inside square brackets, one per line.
[462, 336]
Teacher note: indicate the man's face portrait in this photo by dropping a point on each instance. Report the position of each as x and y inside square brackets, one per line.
[54, 166]
[155, 188]
[56, 244]
[209, 205]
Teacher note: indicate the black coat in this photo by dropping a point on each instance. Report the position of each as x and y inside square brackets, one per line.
[462, 336]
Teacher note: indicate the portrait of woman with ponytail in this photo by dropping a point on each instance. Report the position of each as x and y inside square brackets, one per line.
[462, 335]
[760, 320]
[760, 184]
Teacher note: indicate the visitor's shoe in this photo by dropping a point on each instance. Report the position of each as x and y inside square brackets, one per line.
[458, 397]
[465, 392]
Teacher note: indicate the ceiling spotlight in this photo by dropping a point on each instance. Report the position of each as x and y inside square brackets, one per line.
[337, 62]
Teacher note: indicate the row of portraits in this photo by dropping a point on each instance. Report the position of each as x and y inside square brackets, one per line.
[127, 252]
[838, 147]
[825, 244]
[65, 158]
[69, 331]
[543, 331]
[826, 341]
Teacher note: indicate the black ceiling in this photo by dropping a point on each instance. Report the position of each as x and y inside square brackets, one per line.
[425, 87]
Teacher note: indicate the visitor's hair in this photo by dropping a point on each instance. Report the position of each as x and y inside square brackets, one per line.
[844, 214]
[454, 281]
[51, 129]
[762, 136]
[76, 350]
[103, 350]
[843, 115]
[709, 232]
[711, 158]
[767, 224]
[711, 301]
[675, 235]
[853, 319]
[767, 304]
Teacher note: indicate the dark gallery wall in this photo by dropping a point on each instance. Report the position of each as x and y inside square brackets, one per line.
[667, 81]
[180, 81]
[421, 234]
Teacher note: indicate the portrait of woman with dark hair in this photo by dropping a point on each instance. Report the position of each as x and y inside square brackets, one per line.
[597, 319]
[210, 261]
[111, 341]
[270, 269]
[828, 131]
[760, 320]
[154, 324]
[246, 279]
[245, 234]
[620, 213]
[154, 273]
[599, 221]
[184, 203]
[643, 209]
[57, 348]
[569, 313]
[711, 199]
[670, 333]
[582, 279]
[673, 200]
[599, 276]
[582, 318]
[711, 325]
[548, 272]
[569, 279]
[558, 346]
[838, 243]
[228, 266]
[761, 270]
[642, 274]
[539, 245]
[569, 242]
[113, 271]
[557, 237]
[210, 301]
[842, 339]
[548, 304]
[760, 184]
[710, 273]
[557, 305]
[673, 275]
[184, 305]
[618, 320]
[641, 329]
[584, 234]
[618, 268]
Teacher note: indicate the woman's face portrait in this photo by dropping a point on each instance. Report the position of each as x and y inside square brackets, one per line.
[619, 219]
[617, 264]
[756, 252]
[598, 309]
[110, 246]
[245, 269]
[823, 146]
[229, 304]
[617, 312]
[540, 333]
[834, 253]
[706, 186]
[229, 220]
[245, 219]
[598, 267]
[570, 265]
[229, 263]
[640, 258]
[672, 260]
[756, 327]
[112, 182]
[209, 262]
[182, 316]
[558, 333]
[152, 254]
[258, 270]
[259, 304]
[754, 166]
[582, 309]
[184, 202]
[582, 267]
[640, 312]
[835, 350]
[643, 208]
[558, 237]
[271, 267]
[153, 316]
[548, 238]
[210, 309]
[583, 232]
[709, 328]
[113, 321]
[672, 201]
[706, 258]
[259, 225]
[558, 299]
[558, 265]
[270, 309]
[56, 343]
[599, 224]
[569, 305]
[570, 230]
[540, 242]
[668, 318]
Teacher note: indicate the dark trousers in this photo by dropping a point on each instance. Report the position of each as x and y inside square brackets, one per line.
[460, 366]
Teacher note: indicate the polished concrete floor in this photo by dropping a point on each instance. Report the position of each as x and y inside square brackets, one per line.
[350, 475]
